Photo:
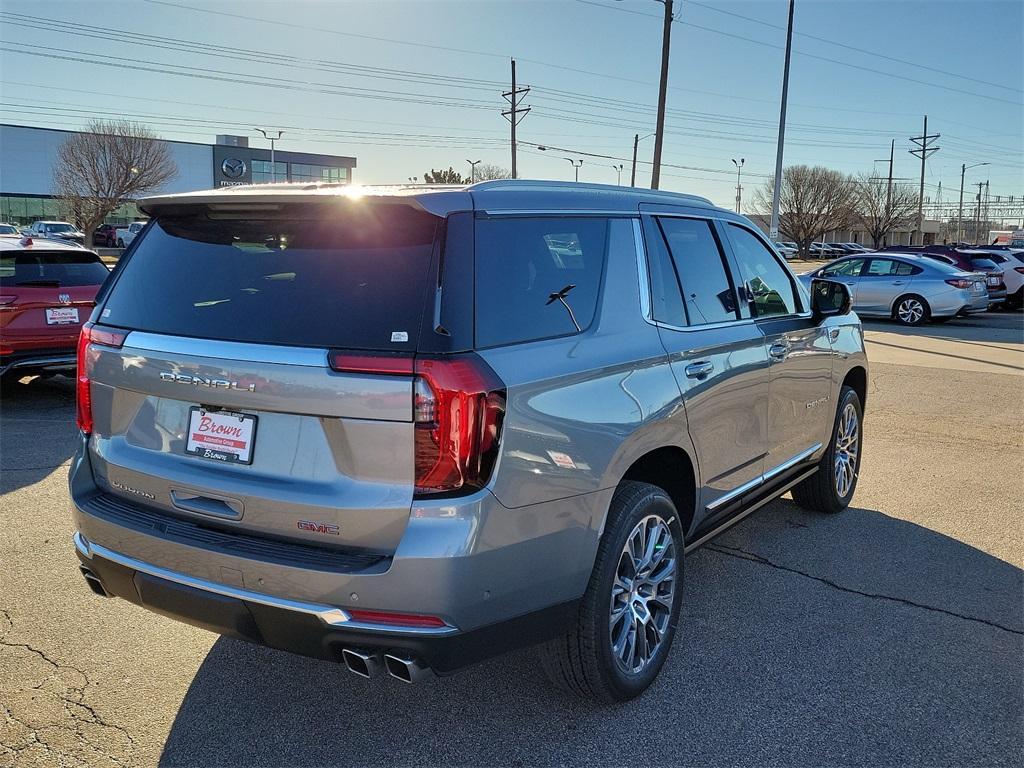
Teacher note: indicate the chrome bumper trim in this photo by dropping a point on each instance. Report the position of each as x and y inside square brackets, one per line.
[334, 617]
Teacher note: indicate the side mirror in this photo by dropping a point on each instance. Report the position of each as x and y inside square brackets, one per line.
[829, 298]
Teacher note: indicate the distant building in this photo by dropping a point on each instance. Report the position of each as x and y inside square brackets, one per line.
[857, 234]
[28, 156]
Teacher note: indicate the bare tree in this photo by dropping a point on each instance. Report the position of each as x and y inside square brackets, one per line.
[111, 162]
[488, 171]
[451, 176]
[813, 201]
[881, 209]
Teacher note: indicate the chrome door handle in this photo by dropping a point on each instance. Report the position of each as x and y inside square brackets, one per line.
[699, 370]
[778, 351]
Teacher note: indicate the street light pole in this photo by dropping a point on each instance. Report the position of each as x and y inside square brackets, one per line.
[659, 136]
[271, 139]
[576, 165]
[472, 170]
[618, 172]
[637, 138]
[960, 214]
[773, 230]
[739, 189]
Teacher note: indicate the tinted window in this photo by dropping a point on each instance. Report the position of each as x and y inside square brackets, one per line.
[769, 284]
[311, 276]
[903, 269]
[707, 294]
[847, 268]
[986, 265]
[666, 295]
[881, 268]
[54, 268]
[537, 278]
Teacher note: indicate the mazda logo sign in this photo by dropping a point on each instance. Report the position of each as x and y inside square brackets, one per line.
[232, 167]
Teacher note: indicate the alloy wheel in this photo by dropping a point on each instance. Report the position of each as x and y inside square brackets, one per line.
[642, 592]
[910, 311]
[847, 446]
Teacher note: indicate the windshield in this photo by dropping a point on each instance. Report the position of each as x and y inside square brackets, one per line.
[312, 276]
[25, 268]
[7, 229]
[59, 228]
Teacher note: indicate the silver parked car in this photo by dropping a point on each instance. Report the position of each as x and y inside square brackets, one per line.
[408, 429]
[907, 288]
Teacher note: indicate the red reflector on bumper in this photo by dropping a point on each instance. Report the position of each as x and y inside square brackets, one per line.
[395, 619]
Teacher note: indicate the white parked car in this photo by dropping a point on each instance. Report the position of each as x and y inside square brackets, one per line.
[125, 235]
[788, 250]
[1011, 263]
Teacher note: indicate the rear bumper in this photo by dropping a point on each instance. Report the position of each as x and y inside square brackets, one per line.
[309, 629]
[36, 360]
[499, 578]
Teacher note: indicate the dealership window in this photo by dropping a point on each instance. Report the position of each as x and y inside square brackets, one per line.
[318, 173]
[24, 210]
[263, 172]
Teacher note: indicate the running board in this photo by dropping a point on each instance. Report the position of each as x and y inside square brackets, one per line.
[730, 522]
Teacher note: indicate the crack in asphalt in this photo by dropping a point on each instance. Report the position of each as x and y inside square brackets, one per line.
[742, 554]
[71, 695]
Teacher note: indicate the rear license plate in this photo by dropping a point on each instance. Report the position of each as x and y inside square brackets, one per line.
[993, 281]
[62, 316]
[221, 435]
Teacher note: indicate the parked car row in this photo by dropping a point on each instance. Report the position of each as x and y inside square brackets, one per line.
[105, 235]
[1002, 265]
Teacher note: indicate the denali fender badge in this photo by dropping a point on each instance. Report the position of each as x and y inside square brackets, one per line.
[315, 527]
[199, 381]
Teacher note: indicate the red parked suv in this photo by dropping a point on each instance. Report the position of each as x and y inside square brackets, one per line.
[47, 290]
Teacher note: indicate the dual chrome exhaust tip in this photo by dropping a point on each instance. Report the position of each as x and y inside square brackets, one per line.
[94, 582]
[368, 663]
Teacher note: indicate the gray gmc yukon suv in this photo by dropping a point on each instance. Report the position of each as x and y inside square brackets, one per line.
[407, 429]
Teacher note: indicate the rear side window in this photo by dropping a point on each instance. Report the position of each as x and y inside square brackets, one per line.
[316, 276]
[58, 269]
[537, 278]
[708, 296]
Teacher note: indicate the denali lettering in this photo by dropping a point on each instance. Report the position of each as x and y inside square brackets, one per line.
[199, 381]
[129, 489]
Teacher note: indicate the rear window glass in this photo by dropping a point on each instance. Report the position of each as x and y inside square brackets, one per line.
[51, 268]
[537, 278]
[308, 276]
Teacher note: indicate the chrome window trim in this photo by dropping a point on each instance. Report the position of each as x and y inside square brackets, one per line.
[334, 617]
[554, 213]
[641, 270]
[225, 350]
[765, 477]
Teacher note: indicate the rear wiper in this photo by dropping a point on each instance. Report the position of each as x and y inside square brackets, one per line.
[560, 296]
[39, 282]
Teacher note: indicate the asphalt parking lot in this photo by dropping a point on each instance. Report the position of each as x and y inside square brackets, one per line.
[891, 634]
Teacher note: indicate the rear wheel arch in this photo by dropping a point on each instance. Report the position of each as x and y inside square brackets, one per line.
[671, 469]
[857, 379]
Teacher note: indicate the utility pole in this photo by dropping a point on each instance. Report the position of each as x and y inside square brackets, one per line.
[924, 150]
[960, 215]
[271, 139]
[472, 170]
[977, 214]
[618, 173]
[632, 175]
[659, 135]
[888, 189]
[514, 99]
[773, 230]
[985, 219]
[739, 189]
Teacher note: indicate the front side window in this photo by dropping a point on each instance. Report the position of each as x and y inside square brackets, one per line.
[708, 296]
[769, 286]
[537, 278]
[848, 268]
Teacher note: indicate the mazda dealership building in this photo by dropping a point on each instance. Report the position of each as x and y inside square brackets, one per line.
[28, 156]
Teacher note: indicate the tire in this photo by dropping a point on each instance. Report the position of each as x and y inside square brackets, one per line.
[585, 661]
[823, 491]
[911, 310]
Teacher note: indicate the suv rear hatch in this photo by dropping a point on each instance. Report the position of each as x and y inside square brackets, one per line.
[254, 368]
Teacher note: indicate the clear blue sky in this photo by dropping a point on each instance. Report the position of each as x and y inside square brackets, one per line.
[593, 66]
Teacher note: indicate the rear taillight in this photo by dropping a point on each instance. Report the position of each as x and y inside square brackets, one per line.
[91, 334]
[458, 408]
[960, 283]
